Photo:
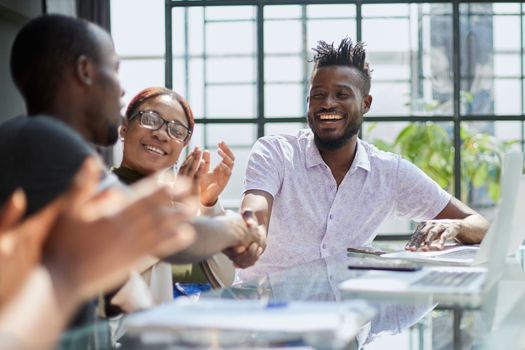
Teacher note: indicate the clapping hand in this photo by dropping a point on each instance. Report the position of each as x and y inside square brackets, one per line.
[211, 181]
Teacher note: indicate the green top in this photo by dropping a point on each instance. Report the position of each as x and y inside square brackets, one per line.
[185, 273]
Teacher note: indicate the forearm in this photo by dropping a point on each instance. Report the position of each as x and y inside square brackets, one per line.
[473, 229]
[35, 317]
[213, 236]
[260, 203]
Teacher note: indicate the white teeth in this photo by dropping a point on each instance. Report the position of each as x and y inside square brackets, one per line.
[330, 116]
[154, 149]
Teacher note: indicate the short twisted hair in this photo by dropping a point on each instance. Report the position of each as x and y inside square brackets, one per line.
[346, 54]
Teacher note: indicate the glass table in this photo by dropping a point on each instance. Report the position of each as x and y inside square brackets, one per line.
[404, 323]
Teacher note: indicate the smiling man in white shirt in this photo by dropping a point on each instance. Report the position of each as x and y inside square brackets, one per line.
[323, 189]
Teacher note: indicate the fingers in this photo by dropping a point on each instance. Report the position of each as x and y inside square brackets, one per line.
[205, 163]
[225, 151]
[12, 210]
[191, 164]
[433, 234]
[447, 234]
[226, 154]
[417, 237]
[248, 257]
[429, 232]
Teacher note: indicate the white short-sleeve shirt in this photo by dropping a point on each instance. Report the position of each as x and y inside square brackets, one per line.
[312, 218]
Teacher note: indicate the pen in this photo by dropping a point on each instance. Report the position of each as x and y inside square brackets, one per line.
[276, 304]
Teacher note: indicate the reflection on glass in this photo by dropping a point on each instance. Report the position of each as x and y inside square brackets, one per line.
[410, 61]
[490, 52]
[484, 143]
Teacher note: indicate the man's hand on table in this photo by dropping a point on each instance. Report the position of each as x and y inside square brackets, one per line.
[433, 234]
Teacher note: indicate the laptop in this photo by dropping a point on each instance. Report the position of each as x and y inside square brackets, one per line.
[477, 255]
[453, 285]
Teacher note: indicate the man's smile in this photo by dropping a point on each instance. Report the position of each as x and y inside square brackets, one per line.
[329, 116]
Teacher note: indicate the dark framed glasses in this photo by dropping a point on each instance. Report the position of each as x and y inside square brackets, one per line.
[152, 120]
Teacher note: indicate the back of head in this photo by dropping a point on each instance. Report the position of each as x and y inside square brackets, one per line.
[43, 51]
[347, 54]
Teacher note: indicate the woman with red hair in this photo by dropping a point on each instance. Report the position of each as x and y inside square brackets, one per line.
[158, 125]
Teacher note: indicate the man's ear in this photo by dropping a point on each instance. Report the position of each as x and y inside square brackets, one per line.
[84, 70]
[366, 103]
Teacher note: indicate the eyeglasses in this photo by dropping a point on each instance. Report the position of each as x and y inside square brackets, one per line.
[151, 120]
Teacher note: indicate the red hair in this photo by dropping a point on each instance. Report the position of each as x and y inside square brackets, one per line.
[156, 91]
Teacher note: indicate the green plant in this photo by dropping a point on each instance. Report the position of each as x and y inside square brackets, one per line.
[429, 146]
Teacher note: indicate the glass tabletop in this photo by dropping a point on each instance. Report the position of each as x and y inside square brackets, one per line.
[416, 322]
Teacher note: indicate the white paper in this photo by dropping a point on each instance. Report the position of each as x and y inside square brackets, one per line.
[253, 315]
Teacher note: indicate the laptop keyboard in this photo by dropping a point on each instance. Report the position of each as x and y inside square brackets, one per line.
[446, 278]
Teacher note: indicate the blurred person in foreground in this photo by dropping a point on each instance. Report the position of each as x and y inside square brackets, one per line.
[82, 243]
[67, 72]
[323, 189]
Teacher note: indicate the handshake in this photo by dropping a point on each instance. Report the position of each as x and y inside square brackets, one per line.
[252, 243]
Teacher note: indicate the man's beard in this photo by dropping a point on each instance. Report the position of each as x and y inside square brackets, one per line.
[333, 144]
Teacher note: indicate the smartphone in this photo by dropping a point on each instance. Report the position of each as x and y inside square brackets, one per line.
[365, 250]
[387, 265]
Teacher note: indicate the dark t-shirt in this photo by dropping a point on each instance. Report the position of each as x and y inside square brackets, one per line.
[40, 155]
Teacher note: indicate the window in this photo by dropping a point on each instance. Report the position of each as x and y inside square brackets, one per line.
[245, 70]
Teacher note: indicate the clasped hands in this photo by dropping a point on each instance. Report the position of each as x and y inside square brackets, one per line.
[246, 254]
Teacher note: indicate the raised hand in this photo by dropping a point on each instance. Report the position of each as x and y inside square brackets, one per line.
[192, 164]
[21, 242]
[213, 182]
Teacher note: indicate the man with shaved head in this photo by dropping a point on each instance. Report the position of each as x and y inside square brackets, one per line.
[67, 72]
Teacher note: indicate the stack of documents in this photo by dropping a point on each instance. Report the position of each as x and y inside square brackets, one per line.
[340, 321]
